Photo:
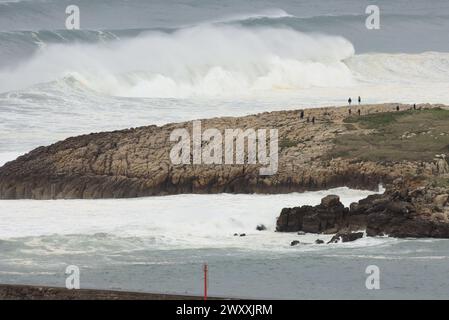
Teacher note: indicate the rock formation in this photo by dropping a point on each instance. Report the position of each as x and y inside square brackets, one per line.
[404, 210]
[324, 218]
[407, 151]
[136, 162]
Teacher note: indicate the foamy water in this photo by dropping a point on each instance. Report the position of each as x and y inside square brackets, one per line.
[159, 244]
[180, 221]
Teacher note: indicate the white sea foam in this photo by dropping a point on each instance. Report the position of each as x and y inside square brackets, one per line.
[205, 60]
[235, 62]
[169, 221]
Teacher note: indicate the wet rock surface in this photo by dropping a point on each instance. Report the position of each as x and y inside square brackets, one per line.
[346, 237]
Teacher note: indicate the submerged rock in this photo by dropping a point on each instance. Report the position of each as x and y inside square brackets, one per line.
[261, 227]
[319, 241]
[294, 243]
[346, 237]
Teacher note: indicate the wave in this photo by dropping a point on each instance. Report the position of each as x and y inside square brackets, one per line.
[427, 67]
[264, 14]
[216, 61]
[237, 60]
[180, 220]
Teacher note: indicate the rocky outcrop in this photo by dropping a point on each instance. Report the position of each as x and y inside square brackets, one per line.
[409, 211]
[135, 162]
[404, 210]
[327, 217]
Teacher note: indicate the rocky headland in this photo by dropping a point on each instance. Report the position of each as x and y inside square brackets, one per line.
[330, 147]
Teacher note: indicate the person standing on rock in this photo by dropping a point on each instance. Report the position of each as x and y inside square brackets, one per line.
[313, 120]
[301, 115]
[358, 112]
[360, 100]
[349, 111]
[397, 108]
[349, 101]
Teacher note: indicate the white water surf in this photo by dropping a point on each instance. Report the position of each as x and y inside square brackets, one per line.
[180, 221]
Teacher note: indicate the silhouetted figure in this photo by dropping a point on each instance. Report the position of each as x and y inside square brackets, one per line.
[358, 111]
[350, 111]
[397, 108]
[414, 106]
[301, 115]
[308, 119]
[360, 100]
[313, 120]
[349, 101]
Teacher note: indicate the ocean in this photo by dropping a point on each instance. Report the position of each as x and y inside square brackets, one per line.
[136, 63]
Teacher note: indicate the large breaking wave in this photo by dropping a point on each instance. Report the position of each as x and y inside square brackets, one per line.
[216, 61]
[204, 60]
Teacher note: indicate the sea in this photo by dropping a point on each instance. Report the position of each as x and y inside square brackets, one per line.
[134, 63]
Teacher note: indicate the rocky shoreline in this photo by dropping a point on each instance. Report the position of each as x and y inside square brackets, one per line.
[405, 150]
[406, 209]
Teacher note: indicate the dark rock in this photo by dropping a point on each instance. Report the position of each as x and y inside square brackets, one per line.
[346, 237]
[261, 227]
[325, 217]
[236, 234]
[407, 209]
[243, 234]
[319, 241]
[294, 243]
[301, 233]
[330, 201]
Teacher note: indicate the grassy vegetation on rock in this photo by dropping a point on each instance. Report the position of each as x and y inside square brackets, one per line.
[394, 136]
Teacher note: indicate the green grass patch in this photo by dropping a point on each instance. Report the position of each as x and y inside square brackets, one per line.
[403, 135]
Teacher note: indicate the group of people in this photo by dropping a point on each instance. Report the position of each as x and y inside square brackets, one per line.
[350, 100]
[301, 115]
